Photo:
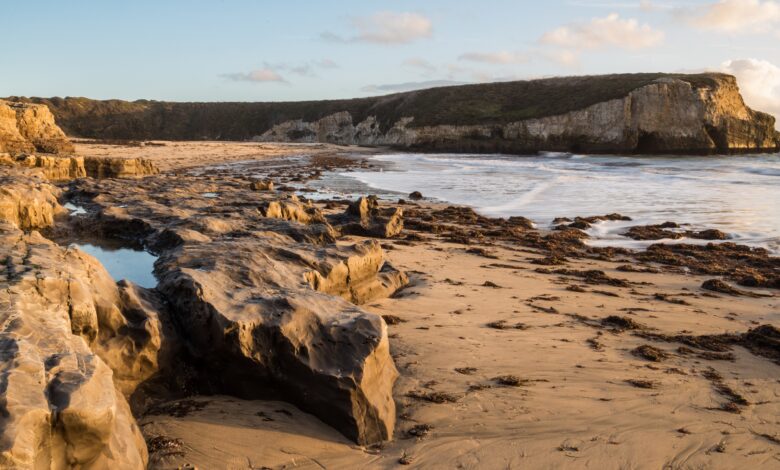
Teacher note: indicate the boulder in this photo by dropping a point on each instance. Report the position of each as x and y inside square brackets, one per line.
[261, 322]
[27, 201]
[265, 185]
[365, 217]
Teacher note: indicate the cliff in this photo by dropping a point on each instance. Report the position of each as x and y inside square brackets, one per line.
[628, 113]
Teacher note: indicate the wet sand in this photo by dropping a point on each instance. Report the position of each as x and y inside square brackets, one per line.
[503, 366]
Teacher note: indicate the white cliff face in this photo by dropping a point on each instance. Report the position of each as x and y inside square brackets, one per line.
[669, 115]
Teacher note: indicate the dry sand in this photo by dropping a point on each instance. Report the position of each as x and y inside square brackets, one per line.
[169, 156]
[573, 406]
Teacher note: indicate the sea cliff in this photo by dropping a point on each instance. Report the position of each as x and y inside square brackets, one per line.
[626, 113]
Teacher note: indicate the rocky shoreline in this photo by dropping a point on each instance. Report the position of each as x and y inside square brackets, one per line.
[266, 297]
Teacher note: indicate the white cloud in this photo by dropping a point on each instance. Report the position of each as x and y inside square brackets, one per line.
[610, 31]
[759, 82]
[265, 74]
[736, 16]
[386, 28]
[502, 57]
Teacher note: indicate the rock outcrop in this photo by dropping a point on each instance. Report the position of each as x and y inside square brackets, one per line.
[365, 217]
[27, 128]
[264, 296]
[61, 168]
[27, 201]
[61, 406]
[621, 113]
[263, 331]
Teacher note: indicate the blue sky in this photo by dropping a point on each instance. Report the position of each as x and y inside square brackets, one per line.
[242, 50]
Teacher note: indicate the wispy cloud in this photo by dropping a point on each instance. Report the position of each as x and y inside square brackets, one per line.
[644, 5]
[409, 86]
[610, 31]
[385, 28]
[735, 16]
[501, 57]
[262, 75]
[276, 72]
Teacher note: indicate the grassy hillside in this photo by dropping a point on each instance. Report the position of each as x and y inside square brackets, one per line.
[491, 103]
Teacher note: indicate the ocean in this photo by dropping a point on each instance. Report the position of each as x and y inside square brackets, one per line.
[739, 195]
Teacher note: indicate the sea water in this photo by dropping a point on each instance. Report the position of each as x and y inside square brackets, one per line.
[739, 195]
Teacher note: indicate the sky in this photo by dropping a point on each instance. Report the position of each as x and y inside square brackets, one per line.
[262, 50]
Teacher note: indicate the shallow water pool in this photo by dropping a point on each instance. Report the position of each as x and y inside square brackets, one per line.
[136, 266]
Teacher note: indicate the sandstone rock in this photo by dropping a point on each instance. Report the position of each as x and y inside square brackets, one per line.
[291, 209]
[97, 167]
[27, 201]
[361, 277]
[365, 217]
[266, 185]
[259, 289]
[259, 330]
[61, 408]
[27, 127]
[56, 167]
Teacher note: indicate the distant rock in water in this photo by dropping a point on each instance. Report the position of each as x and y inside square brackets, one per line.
[622, 113]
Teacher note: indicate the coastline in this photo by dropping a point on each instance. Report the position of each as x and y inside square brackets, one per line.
[496, 316]
[509, 352]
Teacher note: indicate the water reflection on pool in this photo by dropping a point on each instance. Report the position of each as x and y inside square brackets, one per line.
[136, 266]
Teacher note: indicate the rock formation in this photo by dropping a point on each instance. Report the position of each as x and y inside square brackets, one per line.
[277, 317]
[365, 217]
[669, 115]
[61, 407]
[27, 128]
[622, 113]
[58, 168]
[29, 137]
[27, 201]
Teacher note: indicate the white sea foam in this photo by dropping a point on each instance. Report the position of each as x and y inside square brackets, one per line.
[739, 195]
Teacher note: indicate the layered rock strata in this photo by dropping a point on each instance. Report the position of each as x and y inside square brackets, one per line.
[60, 168]
[668, 115]
[620, 113]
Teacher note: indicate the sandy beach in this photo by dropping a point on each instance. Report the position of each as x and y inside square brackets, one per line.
[505, 364]
[170, 156]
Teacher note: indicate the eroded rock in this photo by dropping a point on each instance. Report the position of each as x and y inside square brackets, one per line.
[27, 128]
[27, 201]
[262, 329]
[61, 407]
[365, 217]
